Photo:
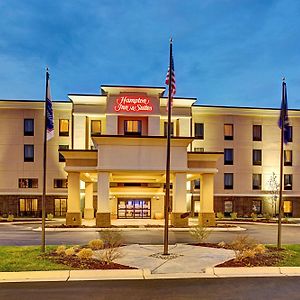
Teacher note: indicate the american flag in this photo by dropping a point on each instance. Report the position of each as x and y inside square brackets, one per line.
[49, 110]
[283, 121]
[173, 83]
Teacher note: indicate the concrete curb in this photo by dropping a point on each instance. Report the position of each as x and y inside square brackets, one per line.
[144, 274]
[233, 229]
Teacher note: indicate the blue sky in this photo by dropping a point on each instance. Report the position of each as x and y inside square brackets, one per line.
[226, 52]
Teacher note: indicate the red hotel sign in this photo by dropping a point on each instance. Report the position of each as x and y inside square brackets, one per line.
[133, 104]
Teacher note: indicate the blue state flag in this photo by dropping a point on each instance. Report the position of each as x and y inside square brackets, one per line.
[283, 121]
[49, 110]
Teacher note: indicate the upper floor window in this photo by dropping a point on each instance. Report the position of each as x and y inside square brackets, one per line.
[133, 127]
[63, 127]
[257, 132]
[61, 158]
[95, 127]
[256, 181]
[60, 183]
[256, 157]
[228, 131]
[166, 129]
[199, 130]
[290, 134]
[197, 184]
[288, 157]
[198, 149]
[228, 156]
[28, 153]
[228, 181]
[29, 127]
[288, 181]
[28, 183]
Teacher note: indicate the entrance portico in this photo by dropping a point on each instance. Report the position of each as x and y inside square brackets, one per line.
[133, 168]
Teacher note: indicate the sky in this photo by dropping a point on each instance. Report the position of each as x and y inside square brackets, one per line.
[226, 52]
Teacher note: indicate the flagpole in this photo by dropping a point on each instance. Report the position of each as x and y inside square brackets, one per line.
[280, 212]
[167, 196]
[44, 170]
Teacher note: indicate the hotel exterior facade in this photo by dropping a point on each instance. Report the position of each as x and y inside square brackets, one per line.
[107, 158]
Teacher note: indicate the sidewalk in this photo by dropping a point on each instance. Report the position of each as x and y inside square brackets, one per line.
[185, 261]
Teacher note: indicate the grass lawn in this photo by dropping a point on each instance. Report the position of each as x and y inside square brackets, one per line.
[26, 258]
[291, 256]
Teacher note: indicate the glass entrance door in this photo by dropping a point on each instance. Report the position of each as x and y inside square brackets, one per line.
[134, 208]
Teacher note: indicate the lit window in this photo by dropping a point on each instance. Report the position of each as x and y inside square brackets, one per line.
[256, 157]
[256, 181]
[28, 183]
[199, 131]
[257, 132]
[28, 207]
[288, 157]
[60, 183]
[28, 153]
[228, 181]
[29, 127]
[133, 127]
[63, 127]
[228, 156]
[60, 156]
[95, 128]
[60, 207]
[198, 149]
[287, 207]
[166, 129]
[228, 131]
[288, 181]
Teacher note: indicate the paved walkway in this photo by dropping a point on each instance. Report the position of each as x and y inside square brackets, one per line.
[182, 259]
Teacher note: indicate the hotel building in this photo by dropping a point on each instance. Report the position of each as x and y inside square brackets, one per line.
[107, 158]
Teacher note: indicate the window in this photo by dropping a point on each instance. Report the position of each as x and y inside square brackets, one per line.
[288, 207]
[228, 131]
[133, 127]
[228, 181]
[228, 207]
[63, 127]
[28, 153]
[290, 134]
[199, 131]
[95, 127]
[288, 181]
[198, 149]
[257, 133]
[256, 206]
[60, 207]
[61, 158]
[29, 127]
[256, 158]
[197, 184]
[166, 128]
[256, 181]
[60, 183]
[28, 183]
[28, 207]
[288, 157]
[228, 156]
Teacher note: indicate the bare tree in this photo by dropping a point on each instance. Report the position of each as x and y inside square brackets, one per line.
[274, 191]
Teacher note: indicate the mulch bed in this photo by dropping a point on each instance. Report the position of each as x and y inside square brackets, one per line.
[270, 258]
[77, 263]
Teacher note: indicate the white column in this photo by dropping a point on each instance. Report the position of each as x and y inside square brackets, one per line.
[179, 193]
[207, 193]
[88, 203]
[103, 193]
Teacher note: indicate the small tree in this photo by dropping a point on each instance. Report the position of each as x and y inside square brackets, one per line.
[274, 191]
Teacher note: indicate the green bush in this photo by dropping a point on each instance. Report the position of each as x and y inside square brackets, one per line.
[96, 244]
[10, 218]
[220, 215]
[254, 216]
[49, 216]
[60, 250]
[233, 215]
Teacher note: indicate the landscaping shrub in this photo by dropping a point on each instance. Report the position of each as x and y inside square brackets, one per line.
[242, 244]
[233, 215]
[60, 250]
[220, 215]
[222, 244]
[10, 218]
[268, 217]
[260, 249]
[200, 233]
[50, 216]
[85, 253]
[70, 251]
[254, 216]
[96, 244]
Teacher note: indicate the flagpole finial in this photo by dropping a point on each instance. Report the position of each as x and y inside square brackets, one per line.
[171, 40]
[283, 78]
[47, 69]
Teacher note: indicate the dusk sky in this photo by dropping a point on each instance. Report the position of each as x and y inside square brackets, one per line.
[226, 52]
